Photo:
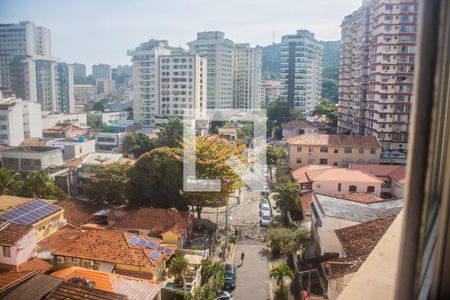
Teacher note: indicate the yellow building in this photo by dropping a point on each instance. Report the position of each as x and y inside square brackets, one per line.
[43, 216]
[117, 252]
[333, 150]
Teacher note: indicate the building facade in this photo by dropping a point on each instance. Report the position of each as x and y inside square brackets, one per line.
[301, 70]
[31, 158]
[182, 86]
[146, 80]
[247, 68]
[218, 51]
[378, 47]
[45, 80]
[270, 91]
[23, 38]
[19, 120]
[101, 71]
[79, 70]
[84, 91]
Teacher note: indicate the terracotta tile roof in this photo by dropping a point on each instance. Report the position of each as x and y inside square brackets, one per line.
[305, 201]
[152, 135]
[335, 174]
[157, 220]
[133, 288]
[364, 198]
[359, 240]
[395, 172]
[75, 163]
[299, 124]
[9, 202]
[78, 212]
[37, 286]
[10, 234]
[67, 291]
[227, 131]
[35, 264]
[10, 278]
[339, 267]
[335, 140]
[112, 246]
[32, 141]
[59, 239]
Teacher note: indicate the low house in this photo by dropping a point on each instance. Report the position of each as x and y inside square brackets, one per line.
[10, 202]
[18, 249]
[117, 252]
[229, 134]
[170, 225]
[327, 179]
[357, 242]
[43, 216]
[132, 288]
[298, 127]
[393, 176]
[332, 149]
[64, 131]
[31, 158]
[111, 136]
[330, 213]
[57, 240]
[73, 148]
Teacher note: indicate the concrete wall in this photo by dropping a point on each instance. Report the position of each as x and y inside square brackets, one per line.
[22, 251]
[287, 132]
[324, 187]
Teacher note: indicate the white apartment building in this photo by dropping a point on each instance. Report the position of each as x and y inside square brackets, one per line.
[23, 38]
[111, 118]
[19, 120]
[301, 70]
[43, 79]
[182, 86]
[270, 91]
[218, 51]
[84, 91]
[378, 48]
[73, 148]
[51, 119]
[101, 71]
[247, 69]
[105, 86]
[146, 80]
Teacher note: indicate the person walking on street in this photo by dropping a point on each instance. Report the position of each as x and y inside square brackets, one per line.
[242, 257]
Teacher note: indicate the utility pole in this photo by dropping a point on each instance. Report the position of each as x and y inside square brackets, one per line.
[225, 249]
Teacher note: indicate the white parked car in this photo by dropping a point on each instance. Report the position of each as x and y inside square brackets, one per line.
[265, 220]
[265, 209]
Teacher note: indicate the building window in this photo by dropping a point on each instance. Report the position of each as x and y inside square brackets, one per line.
[323, 161]
[324, 149]
[299, 148]
[339, 187]
[373, 151]
[310, 149]
[336, 150]
[352, 189]
[299, 161]
[347, 150]
[361, 150]
[370, 189]
[6, 251]
[335, 164]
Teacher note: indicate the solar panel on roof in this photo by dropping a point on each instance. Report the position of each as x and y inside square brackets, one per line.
[133, 240]
[160, 249]
[30, 212]
[168, 250]
[151, 245]
[154, 255]
[142, 243]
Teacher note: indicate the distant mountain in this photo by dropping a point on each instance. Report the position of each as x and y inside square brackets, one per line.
[271, 60]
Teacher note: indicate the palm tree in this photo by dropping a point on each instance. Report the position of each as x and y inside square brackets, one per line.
[278, 273]
[40, 184]
[178, 267]
[8, 181]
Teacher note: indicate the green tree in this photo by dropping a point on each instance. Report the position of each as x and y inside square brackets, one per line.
[330, 89]
[170, 133]
[279, 273]
[205, 292]
[10, 182]
[99, 106]
[284, 240]
[156, 180]
[330, 111]
[40, 185]
[288, 194]
[92, 121]
[211, 154]
[213, 273]
[108, 185]
[274, 156]
[137, 143]
[178, 267]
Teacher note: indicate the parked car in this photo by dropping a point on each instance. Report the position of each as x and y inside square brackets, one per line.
[265, 209]
[230, 277]
[265, 220]
[264, 201]
[224, 295]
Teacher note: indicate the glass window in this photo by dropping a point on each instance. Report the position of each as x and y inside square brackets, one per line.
[370, 189]
[324, 161]
[339, 187]
[348, 150]
[373, 151]
[324, 149]
[361, 150]
[352, 189]
[6, 251]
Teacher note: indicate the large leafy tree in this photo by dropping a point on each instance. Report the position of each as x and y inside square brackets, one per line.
[10, 182]
[108, 185]
[284, 240]
[330, 89]
[39, 184]
[137, 143]
[170, 133]
[288, 194]
[212, 152]
[330, 111]
[274, 156]
[156, 180]
[205, 292]
[279, 273]
[279, 112]
[178, 267]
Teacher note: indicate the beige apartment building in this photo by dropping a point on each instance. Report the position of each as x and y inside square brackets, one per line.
[333, 150]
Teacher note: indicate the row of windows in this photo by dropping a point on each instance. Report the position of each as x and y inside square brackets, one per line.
[346, 150]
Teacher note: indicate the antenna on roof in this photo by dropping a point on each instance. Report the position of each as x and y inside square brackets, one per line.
[273, 37]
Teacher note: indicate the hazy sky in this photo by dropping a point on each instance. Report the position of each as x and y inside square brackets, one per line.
[101, 31]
